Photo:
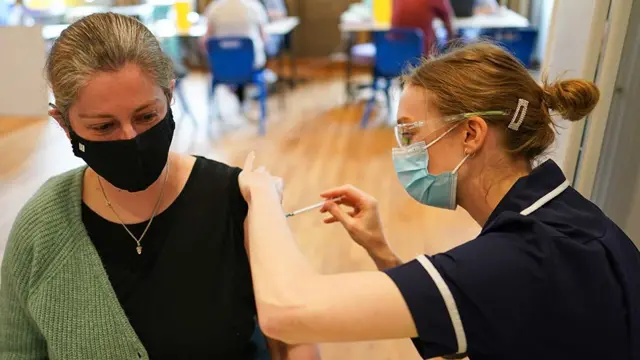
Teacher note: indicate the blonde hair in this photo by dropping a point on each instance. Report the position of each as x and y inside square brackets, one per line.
[103, 42]
[484, 77]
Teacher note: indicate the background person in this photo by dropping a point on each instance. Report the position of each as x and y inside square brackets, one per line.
[239, 18]
[420, 14]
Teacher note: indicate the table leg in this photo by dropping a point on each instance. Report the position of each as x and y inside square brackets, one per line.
[281, 64]
[281, 79]
[349, 67]
[293, 63]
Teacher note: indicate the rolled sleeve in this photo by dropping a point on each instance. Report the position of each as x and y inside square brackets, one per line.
[430, 303]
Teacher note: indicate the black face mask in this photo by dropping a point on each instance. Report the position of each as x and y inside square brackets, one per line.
[131, 165]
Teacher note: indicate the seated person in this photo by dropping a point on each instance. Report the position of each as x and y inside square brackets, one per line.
[139, 253]
[276, 10]
[5, 9]
[244, 18]
[420, 14]
[485, 7]
[468, 8]
[19, 15]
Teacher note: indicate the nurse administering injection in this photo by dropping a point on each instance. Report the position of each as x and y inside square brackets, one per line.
[548, 277]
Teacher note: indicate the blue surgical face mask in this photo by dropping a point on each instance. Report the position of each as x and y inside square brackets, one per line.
[412, 166]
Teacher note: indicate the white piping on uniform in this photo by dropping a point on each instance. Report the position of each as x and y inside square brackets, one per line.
[442, 286]
[449, 302]
[545, 199]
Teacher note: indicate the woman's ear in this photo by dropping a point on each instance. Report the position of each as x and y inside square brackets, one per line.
[57, 115]
[475, 129]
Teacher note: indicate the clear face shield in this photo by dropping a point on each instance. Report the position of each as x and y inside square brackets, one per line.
[411, 162]
[406, 133]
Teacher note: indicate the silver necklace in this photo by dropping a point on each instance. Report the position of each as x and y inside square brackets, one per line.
[153, 214]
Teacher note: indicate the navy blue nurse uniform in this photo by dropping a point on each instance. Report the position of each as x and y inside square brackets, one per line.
[549, 277]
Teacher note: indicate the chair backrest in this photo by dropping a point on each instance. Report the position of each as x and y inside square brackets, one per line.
[231, 59]
[396, 49]
[521, 42]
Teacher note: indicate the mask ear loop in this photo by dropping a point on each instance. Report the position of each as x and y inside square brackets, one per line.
[467, 156]
[443, 135]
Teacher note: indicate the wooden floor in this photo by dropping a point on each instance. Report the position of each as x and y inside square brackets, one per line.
[313, 142]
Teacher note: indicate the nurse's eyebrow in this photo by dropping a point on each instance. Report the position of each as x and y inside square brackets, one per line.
[404, 120]
[109, 116]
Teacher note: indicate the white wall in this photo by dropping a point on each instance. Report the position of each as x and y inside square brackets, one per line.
[569, 52]
[543, 22]
[23, 89]
[617, 181]
[632, 227]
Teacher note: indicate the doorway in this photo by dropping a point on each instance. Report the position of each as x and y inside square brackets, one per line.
[617, 180]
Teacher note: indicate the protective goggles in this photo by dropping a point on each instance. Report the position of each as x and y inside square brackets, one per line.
[405, 133]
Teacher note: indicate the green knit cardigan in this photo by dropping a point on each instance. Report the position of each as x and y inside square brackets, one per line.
[56, 301]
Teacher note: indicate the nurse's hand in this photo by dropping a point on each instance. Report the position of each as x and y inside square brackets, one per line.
[362, 222]
[258, 180]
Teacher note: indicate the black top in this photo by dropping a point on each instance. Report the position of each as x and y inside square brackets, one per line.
[561, 282]
[189, 295]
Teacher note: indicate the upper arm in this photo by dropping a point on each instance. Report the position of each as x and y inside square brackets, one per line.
[281, 351]
[443, 299]
[444, 11]
[276, 8]
[468, 297]
[302, 352]
[210, 30]
[339, 307]
[260, 13]
[19, 335]
[210, 15]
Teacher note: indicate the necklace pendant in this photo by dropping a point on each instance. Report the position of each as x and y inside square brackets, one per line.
[139, 250]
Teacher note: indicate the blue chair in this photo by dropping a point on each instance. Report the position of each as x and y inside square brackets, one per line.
[395, 50]
[521, 42]
[231, 60]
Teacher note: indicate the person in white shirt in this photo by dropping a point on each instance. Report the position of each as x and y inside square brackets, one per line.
[276, 10]
[19, 15]
[485, 7]
[245, 18]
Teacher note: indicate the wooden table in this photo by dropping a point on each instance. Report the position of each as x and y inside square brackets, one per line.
[163, 29]
[167, 29]
[503, 18]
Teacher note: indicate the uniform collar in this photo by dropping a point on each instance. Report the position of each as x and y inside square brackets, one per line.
[527, 190]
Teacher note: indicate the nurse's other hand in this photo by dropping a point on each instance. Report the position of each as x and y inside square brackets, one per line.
[258, 180]
[362, 221]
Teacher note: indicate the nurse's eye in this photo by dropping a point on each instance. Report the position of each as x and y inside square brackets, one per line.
[408, 136]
